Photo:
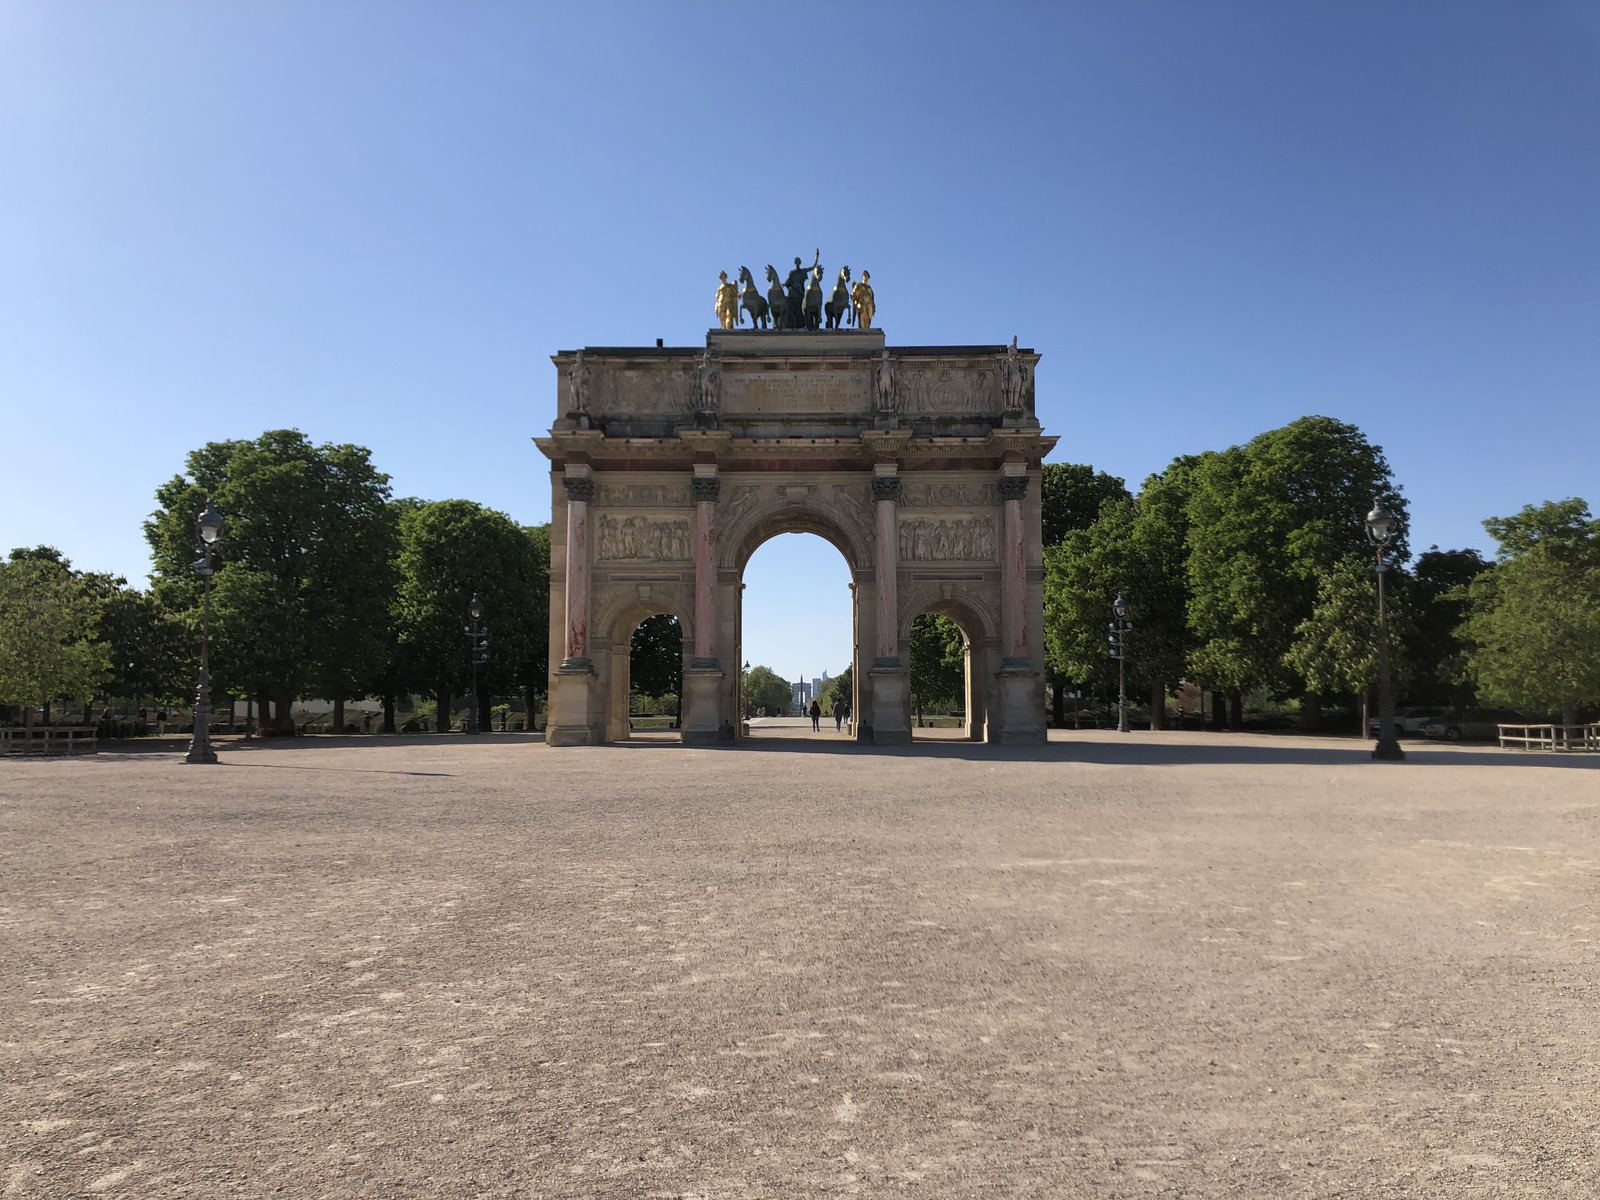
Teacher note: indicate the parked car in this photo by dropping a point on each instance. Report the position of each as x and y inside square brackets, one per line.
[1473, 723]
[1409, 721]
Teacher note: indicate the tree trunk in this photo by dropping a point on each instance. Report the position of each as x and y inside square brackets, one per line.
[485, 711]
[444, 712]
[1236, 711]
[530, 703]
[919, 714]
[47, 712]
[388, 712]
[1569, 714]
[1058, 705]
[1311, 711]
[1158, 706]
[1362, 715]
[338, 714]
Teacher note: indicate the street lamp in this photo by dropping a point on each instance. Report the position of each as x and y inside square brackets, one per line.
[209, 525]
[480, 655]
[1120, 628]
[1381, 528]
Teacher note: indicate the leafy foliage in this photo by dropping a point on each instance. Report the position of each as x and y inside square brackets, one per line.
[449, 551]
[656, 656]
[762, 687]
[1266, 522]
[305, 564]
[1534, 626]
[1071, 496]
[938, 662]
[840, 689]
[48, 646]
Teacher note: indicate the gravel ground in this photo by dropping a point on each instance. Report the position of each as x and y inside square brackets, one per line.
[1148, 965]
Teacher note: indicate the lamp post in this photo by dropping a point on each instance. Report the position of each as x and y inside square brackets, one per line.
[1120, 628]
[209, 525]
[480, 655]
[1381, 528]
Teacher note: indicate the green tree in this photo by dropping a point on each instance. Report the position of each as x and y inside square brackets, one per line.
[450, 551]
[48, 646]
[1335, 649]
[305, 564]
[1136, 547]
[1439, 581]
[938, 662]
[655, 658]
[1266, 521]
[1071, 495]
[764, 688]
[1534, 626]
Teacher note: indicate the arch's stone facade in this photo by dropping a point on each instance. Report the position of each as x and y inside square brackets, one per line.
[669, 466]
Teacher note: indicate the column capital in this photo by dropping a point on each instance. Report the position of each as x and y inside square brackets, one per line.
[579, 487]
[705, 488]
[1013, 487]
[886, 487]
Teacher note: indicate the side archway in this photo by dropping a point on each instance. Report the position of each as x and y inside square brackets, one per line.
[980, 627]
[610, 647]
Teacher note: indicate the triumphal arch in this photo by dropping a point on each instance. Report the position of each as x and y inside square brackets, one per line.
[671, 465]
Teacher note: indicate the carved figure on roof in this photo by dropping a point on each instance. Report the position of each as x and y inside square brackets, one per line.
[1013, 379]
[578, 392]
[862, 302]
[727, 302]
[707, 391]
[794, 303]
[883, 379]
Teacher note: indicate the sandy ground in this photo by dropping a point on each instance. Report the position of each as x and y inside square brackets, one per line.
[1148, 965]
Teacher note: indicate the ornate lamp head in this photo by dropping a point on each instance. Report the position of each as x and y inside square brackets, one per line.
[1381, 524]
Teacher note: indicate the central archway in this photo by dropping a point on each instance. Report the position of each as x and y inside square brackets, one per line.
[797, 619]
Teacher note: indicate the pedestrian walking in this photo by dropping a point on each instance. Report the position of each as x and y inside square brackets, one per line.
[816, 717]
[838, 715]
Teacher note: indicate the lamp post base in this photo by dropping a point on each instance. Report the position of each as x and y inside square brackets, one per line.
[200, 754]
[1388, 750]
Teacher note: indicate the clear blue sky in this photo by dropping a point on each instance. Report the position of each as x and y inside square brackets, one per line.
[375, 221]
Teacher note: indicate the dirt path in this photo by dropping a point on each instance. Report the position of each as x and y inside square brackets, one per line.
[1154, 965]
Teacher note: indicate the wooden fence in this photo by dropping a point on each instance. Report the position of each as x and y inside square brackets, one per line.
[1565, 738]
[49, 739]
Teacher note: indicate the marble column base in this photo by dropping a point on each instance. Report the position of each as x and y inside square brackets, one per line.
[702, 705]
[1020, 721]
[574, 719]
[890, 714]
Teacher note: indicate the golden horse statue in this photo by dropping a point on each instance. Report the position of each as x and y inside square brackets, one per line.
[861, 300]
[727, 302]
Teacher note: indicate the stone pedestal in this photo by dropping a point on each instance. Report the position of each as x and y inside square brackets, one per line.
[573, 703]
[891, 694]
[702, 712]
[1021, 716]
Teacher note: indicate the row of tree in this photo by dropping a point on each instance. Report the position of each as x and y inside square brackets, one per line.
[325, 585]
[1249, 570]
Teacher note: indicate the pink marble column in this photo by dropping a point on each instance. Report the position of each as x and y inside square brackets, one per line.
[580, 490]
[886, 491]
[1013, 575]
[705, 490]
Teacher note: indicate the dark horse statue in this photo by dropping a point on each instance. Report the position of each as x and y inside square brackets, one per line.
[750, 299]
[814, 300]
[839, 303]
[775, 300]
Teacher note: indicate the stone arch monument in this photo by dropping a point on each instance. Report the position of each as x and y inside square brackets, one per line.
[670, 466]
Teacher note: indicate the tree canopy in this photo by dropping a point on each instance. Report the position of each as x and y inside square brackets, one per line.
[48, 626]
[938, 662]
[764, 688]
[1534, 622]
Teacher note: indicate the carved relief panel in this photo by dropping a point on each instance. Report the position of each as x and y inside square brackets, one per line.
[641, 538]
[947, 539]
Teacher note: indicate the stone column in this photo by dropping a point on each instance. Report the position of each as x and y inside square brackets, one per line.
[705, 489]
[580, 490]
[886, 491]
[887, 723]
[704, 721]
[1013, 574]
